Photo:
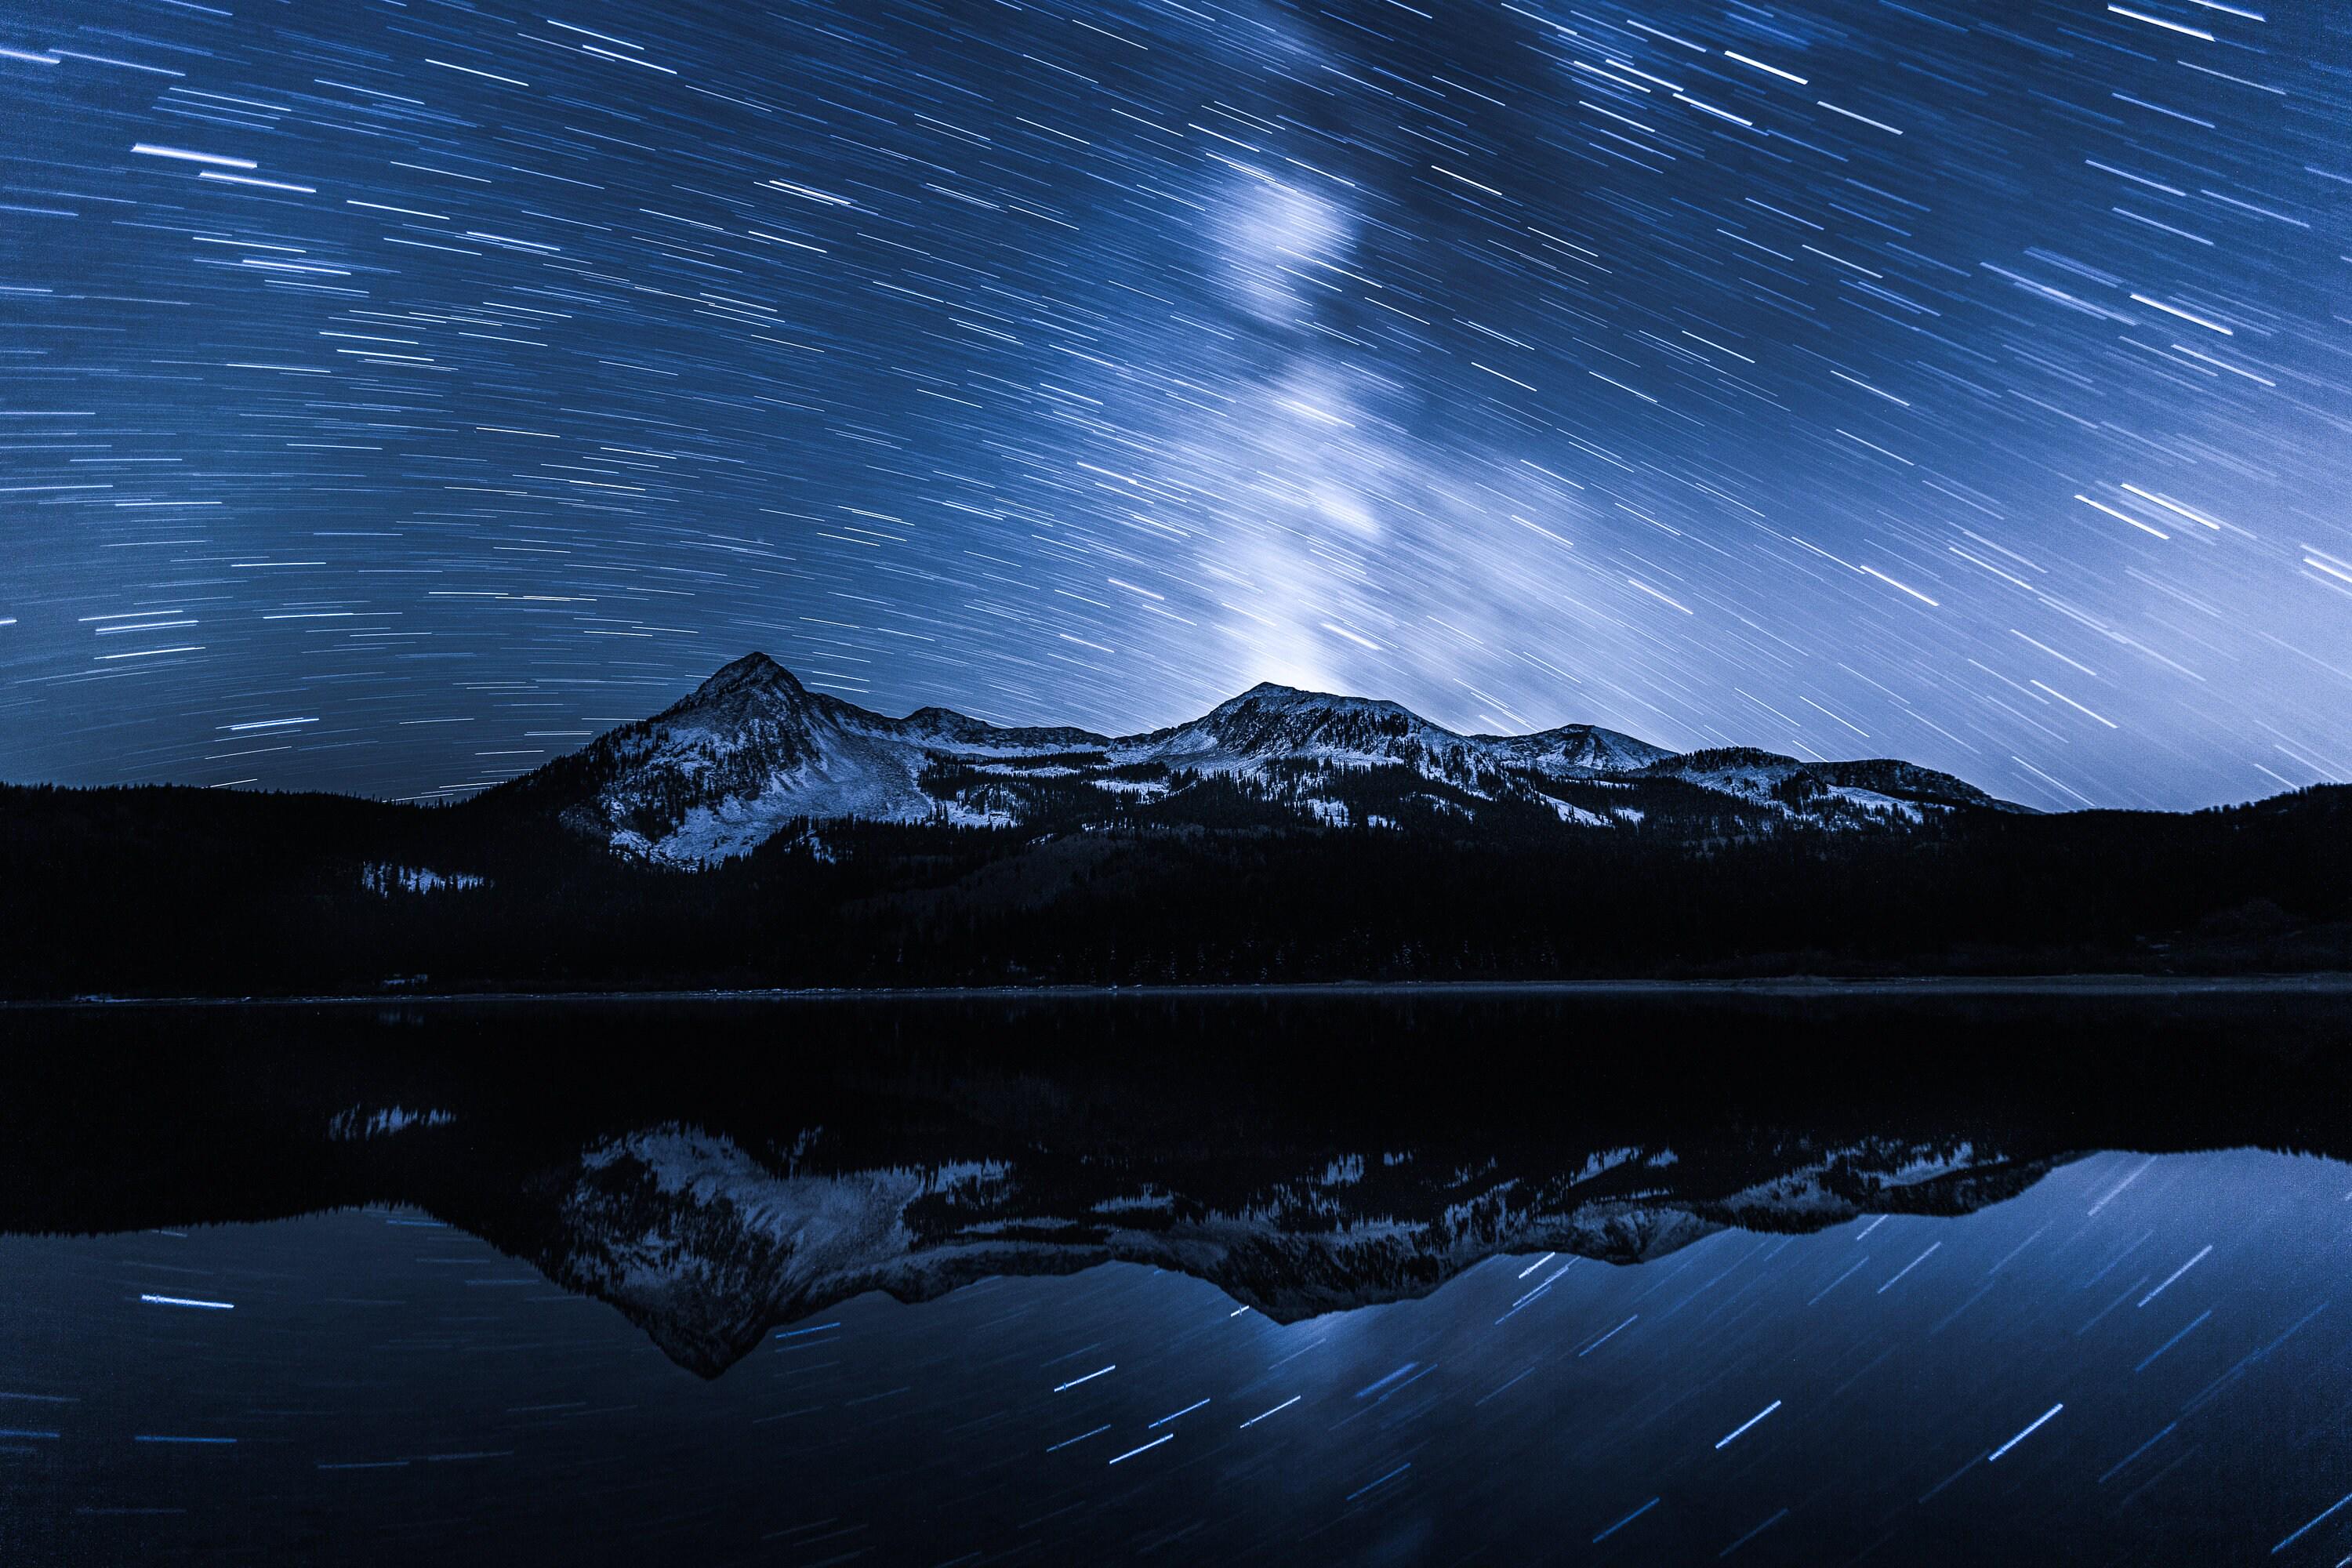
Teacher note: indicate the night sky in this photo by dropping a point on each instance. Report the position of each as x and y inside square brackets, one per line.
[395, 395]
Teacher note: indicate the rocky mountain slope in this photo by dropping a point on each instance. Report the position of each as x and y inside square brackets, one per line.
[753, 751]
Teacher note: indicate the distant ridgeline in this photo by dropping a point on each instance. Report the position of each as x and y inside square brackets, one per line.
[759, 834]
[752, 751]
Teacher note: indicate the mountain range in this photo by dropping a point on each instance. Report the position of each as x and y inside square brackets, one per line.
[759, 833]
[753, 751]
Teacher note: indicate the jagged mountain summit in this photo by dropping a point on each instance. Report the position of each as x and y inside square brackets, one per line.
[753, 751]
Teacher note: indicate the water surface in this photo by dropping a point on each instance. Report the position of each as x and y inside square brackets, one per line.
[1820, 1281]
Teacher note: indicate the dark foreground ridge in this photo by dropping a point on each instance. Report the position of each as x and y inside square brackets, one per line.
[756, 835]
[716, 1171]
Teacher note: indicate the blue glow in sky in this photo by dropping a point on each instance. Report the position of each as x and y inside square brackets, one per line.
[397, 395]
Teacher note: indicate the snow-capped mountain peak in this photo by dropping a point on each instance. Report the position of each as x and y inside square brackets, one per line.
[752, 670]
[751, 750]
[1575, 749]
[1269, 723]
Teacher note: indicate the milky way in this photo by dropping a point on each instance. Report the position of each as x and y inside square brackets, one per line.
[396, 394]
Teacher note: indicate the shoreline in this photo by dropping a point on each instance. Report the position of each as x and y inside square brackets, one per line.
[2326, 983]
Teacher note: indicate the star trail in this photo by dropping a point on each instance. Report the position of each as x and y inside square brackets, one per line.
[393, 396]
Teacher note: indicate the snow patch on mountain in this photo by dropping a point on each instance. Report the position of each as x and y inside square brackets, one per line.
[1575, 814]
[385, 877]
[358, 1124]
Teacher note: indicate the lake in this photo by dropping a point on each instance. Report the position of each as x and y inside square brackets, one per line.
[1824, 1276]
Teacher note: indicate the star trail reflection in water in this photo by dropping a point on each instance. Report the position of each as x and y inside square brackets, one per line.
[1813, 1277]
[2133, 1361]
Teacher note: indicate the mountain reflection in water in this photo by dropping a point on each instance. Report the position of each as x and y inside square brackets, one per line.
[1445, 1280]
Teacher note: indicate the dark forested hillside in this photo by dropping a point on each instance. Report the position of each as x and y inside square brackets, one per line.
[180, 891]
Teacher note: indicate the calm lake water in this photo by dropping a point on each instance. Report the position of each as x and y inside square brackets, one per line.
[1821, 1280]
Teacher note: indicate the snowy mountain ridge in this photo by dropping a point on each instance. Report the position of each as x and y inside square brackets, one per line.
[710, 1246]
[751, 750]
